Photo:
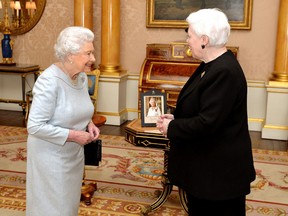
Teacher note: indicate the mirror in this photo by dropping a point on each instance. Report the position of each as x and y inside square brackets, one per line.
[21, 16]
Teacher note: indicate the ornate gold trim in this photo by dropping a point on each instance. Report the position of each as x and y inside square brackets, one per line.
[276, 127]
[277, 84]
[255, 120]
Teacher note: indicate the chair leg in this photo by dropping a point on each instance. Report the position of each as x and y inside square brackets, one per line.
[27, 107]
[87, 191]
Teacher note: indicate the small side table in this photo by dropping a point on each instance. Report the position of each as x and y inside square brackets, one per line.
[21, 70]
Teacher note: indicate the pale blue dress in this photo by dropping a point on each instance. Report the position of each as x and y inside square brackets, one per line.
[54, 166]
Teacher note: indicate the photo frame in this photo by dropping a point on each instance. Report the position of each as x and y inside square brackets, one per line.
[172, 14]
[153, 104]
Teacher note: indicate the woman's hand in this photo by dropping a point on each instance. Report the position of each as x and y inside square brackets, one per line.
[163, 123]
[80, 137]
[84, 137]
[93, 130]
[168, 116]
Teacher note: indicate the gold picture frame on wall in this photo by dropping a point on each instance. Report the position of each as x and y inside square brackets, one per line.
[172, 14]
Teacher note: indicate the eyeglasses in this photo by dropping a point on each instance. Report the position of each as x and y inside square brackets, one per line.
[89, 54]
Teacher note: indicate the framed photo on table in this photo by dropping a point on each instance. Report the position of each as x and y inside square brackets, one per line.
[173, 14]
[153, 104]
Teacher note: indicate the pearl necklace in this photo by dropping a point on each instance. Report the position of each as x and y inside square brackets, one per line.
[72, 81]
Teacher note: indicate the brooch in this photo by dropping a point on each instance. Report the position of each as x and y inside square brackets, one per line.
[202, 74]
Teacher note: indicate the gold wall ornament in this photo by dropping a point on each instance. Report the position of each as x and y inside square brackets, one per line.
[22, 15]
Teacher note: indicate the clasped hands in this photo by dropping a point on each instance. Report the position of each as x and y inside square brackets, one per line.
[163, 123]
[84, 137]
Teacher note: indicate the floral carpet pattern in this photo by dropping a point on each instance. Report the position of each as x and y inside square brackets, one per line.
[129, 178]
[10, 134]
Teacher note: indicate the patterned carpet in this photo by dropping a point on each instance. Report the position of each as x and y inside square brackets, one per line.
[129, 178]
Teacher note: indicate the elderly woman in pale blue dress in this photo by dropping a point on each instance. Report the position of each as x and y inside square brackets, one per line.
[59, 125]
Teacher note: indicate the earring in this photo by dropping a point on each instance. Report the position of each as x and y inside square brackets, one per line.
[203, 46]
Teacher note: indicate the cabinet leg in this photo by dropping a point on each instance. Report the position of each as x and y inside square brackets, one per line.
[183, 199]
[167, 188]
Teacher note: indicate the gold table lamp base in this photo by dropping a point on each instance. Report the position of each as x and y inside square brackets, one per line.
[7, 62]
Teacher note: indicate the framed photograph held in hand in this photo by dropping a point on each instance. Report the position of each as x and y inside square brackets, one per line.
[153, 104]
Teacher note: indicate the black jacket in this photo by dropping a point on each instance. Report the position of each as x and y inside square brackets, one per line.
[210, 148]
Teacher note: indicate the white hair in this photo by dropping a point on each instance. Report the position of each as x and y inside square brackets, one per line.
[71, 39]
[153, 99]
[210, 22]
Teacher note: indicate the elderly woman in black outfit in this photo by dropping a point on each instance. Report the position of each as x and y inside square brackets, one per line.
[210, 154]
